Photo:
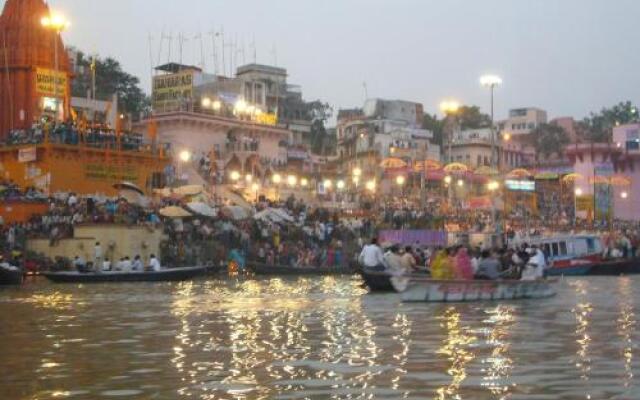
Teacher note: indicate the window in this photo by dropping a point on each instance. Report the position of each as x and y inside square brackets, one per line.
[547, 249]
[563, 248]
[532, 125]
[591, 245]
[479, 160]
[554, 249]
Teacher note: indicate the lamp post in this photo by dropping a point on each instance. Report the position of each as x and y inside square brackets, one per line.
[491, 81]
[450, 108]
[57, 23]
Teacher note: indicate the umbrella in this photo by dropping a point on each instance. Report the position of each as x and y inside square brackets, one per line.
[201, 208]
[235, 212]
[189, 190]
[599, 179]
[519, 173]
[485, 170]
[133, 197]
[391, 163]
[418, 166]
[455, 167]
[124, 185]
[546, 176]
[572, 177]
[174, 212]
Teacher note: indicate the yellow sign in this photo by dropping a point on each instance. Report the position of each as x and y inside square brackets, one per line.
[170, 90]
[584, 203]
[49, 83]
[267, 119]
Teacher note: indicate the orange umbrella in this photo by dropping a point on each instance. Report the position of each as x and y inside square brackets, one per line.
[390, 163]
[455, 167]
[429, 165]
[485, 170]
[519, 173]
[572, 177]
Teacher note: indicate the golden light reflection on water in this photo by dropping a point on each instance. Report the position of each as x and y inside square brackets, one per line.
[53, 301]
[456, 348]
[499, 363]
[626, 326]
[582, 313]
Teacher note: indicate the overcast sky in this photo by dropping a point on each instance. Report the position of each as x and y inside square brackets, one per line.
[566, 56]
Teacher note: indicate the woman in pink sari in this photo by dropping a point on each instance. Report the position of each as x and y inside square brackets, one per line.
[462, 265]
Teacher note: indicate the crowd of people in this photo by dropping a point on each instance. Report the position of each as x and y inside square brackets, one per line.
[73, 133]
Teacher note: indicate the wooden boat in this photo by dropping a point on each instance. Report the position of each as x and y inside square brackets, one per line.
[624, 266]
[10, 275]
[380, 281]
[172, 274]
[441, 291]
[266, 269]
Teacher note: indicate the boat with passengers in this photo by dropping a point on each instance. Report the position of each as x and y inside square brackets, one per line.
[582, 254]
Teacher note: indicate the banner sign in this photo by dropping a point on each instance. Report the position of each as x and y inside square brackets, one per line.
[584, 202]
[171, 89]
[479, 203]
[28, 154]
[51, 84]
[421, 237]
[267, 119]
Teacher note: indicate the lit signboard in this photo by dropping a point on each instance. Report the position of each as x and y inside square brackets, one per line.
[520, 185]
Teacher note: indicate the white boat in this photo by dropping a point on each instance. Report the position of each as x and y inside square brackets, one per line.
[417, 289]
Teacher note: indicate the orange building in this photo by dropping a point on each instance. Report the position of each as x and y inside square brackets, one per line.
[34, 72]
[53, 168]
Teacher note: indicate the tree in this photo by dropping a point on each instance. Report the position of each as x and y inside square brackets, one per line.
[436, 126]
[549, 139]
[598, 127]
[319, 113]
[110, 80]
[470, 117]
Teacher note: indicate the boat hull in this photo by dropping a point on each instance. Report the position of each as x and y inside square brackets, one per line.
[377, 281]
[174, 274]
[265, 269]
[439, 291]
[600, 268]
[11, 277]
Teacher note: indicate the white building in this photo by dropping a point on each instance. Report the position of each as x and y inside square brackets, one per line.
[522, 121]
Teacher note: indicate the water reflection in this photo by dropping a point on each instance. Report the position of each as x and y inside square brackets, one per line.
[456, 348]
[314, 338]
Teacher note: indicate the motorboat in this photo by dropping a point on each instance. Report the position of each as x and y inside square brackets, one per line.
[169, 274]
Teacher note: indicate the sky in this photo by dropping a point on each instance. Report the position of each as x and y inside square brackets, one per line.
[569, 57]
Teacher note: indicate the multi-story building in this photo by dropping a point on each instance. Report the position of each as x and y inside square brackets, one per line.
[522, 121]
[381, 129]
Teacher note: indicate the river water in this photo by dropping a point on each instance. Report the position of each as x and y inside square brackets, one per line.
[315, 338]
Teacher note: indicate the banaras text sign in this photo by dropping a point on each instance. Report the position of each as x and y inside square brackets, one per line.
[51, 83]
[172, 88]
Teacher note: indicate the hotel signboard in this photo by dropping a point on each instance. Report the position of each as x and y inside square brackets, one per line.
[171, 90]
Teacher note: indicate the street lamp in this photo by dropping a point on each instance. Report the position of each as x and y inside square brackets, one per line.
[357, 171]
[57, 23]
[248, 178]
[206, 102]
[447, 180]
[276, 179]
[292, 180]
[624, 195]
[450, 108]
[460, 183]
[340, 185]
[216, 105]
[491, 81]
[493, 186]
[400, 180]
[327, 183]
[371, 186]
[235, 176]
[578, 192]
[185, 156]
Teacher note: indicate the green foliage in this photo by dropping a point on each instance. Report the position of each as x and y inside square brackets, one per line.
[319, 113]
[435, 125]
[598, 127]
[110, 80]
[470, 117]
[549, 139]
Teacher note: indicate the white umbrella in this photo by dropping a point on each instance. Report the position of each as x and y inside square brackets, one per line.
[174, 212]
[202, 208]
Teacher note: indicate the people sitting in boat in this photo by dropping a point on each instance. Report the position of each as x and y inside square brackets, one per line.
[488, 267]
[126, 264]
[408, 260]
[441, 267]
[462, 267]
[137, 264]
[119, 264]
[371, 256]
[535, 265]
[80, 264]
[154, 263]
[393, 260]
[106, 264]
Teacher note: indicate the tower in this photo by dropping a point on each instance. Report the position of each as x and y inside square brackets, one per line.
[30, 88]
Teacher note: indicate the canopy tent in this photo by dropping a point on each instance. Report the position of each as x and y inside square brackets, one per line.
[201, 208]
[426, 165]
[128, 186]
[572, 177]
[486, 171]
[174, 212]
[275, 215]
[189, 190]
[519, 173]
[542, 176]
[235, 212]
[456, 168]
[390, 163]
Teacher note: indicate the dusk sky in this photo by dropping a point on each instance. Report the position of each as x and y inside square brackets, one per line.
[568, 57]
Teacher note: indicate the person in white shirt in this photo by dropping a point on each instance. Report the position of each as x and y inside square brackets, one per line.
[126, 264]
[137, 264]
[535, 266]
[154, 263]
[371, 256]
[97, 257]
[106, 265]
